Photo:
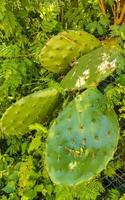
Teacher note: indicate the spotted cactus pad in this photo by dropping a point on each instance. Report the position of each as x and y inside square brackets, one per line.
[61, 50]
[82, 140]
[93, 67]
[35, 107]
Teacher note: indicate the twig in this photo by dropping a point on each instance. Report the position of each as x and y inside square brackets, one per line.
[120, 19]
[118, 9]
[102, 6]
[114, 10]
[119, 12]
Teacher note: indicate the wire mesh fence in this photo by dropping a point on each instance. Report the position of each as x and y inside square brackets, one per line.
[117, 181]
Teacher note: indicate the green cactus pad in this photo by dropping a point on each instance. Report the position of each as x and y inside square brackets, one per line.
[61, 50]
[92, 68]
[82, 140]
[35, 107]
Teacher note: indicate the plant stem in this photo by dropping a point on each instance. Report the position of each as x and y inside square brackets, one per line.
[102, 6]
[119, 19]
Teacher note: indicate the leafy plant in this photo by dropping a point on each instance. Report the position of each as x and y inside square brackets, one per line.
[71, 168]
[25, 27]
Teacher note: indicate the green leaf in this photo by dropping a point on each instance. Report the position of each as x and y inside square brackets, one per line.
[113, 194]
[121, 79]
[63, 193]
[14, 176]
[122, 198]
[38, 127]
[35, 144]
[40, 188]
[10, 187]
[4, 197]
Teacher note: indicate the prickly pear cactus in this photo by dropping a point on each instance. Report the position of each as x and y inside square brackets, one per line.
[35, 107]
[93, 67]
[82, 140]
[63, 49]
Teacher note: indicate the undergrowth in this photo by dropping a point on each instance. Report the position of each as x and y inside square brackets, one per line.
[25, 26]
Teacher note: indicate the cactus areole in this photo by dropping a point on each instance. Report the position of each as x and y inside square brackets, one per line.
[82, 140]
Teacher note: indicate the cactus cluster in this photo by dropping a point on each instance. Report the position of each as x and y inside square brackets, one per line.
[84, 136]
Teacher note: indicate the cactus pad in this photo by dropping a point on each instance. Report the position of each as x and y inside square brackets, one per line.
[92, 68]
[82, 140]
[61, 50]
[33, 108]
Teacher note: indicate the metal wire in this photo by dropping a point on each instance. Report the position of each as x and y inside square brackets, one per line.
[118, 180]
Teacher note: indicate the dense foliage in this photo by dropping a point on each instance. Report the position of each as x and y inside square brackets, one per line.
[25, 26]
